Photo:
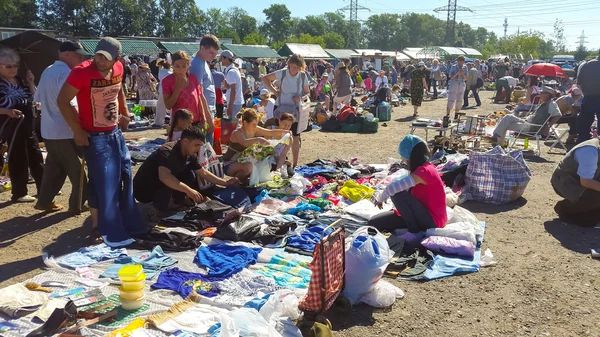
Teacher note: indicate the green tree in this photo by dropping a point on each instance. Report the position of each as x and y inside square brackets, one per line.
[72, 17]
[382, 31]
[308, 39]
[581, 53]
[117, 17]
[313, 25]
[18, 13]
[179, 19]
[333, 40]
[241, 22]
[215, 21]
[277, 24]
[146, 18]
[254, 39]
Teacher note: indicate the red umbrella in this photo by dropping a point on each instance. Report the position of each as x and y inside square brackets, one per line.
[545, 69]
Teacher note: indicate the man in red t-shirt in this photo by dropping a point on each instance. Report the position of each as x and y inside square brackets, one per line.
[97, 126]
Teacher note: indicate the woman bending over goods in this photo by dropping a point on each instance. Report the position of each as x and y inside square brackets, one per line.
[419, 197]
[248, 134]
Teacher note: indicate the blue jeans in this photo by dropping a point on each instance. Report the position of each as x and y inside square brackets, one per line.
[111, 188]
[590, 108]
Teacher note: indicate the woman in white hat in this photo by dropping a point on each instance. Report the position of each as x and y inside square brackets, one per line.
[146, 82]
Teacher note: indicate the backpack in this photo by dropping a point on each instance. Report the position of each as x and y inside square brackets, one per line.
[332, 125]
[345, 112]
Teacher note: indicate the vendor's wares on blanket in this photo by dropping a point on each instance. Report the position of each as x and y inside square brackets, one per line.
[300, 248]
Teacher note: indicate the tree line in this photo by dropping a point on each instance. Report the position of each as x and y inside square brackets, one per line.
[178, 19]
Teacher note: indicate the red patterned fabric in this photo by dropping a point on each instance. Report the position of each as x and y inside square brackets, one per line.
[333, 269]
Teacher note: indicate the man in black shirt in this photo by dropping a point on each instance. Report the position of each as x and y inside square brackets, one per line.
[168, 177]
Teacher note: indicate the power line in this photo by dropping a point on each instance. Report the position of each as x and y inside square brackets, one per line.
[452, 8]
[353, 8]
[582, 39]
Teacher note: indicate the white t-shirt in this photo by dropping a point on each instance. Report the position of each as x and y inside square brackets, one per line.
[379, 81]
[267, 110]
[162, 73]
[232, 76]
[290, 86]
[366, 65]
[512, 82]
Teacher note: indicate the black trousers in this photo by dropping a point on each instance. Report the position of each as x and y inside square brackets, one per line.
[162, 196]
[25, 157]
[433, 83]
[413, 215]
[590, 108]
[571, 121]
[585, 212]
[475, 95]
[220, 108]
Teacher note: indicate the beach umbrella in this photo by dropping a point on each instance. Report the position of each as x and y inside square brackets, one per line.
[545, 69]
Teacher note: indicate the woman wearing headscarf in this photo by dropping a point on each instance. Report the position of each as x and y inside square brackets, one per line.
[146, 83]
[419, 198]
[17, 123]
[417, 84]
[342, 87]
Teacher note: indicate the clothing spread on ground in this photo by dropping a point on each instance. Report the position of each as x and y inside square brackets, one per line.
[185, 282]
[87, 256]
[153, 263]
[222, 261]
[97, 97]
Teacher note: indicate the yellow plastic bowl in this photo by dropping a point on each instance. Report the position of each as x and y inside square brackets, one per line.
[131, 295]
[132, 305]
[131, 273]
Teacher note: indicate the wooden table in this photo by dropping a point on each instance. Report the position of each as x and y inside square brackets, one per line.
[441, 130]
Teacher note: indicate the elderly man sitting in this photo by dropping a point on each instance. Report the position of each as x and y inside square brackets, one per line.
[547, 108]
[569, 106]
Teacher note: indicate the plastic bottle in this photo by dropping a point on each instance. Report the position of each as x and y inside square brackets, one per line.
[446, 121]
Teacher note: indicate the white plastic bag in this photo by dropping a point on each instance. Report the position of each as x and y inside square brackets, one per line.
[457, 230]
[367, 256]
[283, 303]
[261, 172]
[487, 260]
[463, 215]
[383, 295]
[451, 197]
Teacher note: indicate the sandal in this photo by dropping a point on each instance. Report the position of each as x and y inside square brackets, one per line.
[53, 207]
[95, 236]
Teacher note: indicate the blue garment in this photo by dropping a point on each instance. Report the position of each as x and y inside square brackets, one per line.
[257, 302]
[185, 282]
[88, 256]
[109, 166]
[153, 263]
[311, 171]
[453, 70]
[448, 265]
[587, 158]
[309, 237]
[218, 78]
[301, 207]
[53, 124]
[201, 70]
[222, 261]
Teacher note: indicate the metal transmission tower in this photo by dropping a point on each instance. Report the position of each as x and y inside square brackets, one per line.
[452, 8]
[505, 26]
[582, 39]
[353, 8]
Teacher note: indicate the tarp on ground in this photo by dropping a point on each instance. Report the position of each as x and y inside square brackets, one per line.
[341, 54]
[471, 51]
[251, 51]
[130, 47]
[189, 47]
[307, 51]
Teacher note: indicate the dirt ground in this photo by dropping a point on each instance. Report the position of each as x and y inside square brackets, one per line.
[545, 283]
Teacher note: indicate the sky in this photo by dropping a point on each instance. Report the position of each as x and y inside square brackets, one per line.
[537, 15]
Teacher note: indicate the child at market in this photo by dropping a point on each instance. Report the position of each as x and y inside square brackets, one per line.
[419, 198]
[182, 119]
[281, 150]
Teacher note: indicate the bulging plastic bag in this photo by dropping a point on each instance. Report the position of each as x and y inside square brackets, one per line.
[451, 197]
[463, 215]
[383, 295]
[283, 303]
[261, 172]
[367, 256]
[457, 230]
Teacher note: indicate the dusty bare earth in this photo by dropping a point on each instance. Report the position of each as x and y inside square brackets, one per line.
[545, 283]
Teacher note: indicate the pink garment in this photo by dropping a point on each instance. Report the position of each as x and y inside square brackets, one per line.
[442, 244]
[368, 84]
[431, 194]
[189, 97]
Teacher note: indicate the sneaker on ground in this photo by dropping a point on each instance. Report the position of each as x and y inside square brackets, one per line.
[27, 198]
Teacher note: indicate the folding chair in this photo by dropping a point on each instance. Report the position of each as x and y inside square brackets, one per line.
[558, 134]
[526, 133]
[535, 103]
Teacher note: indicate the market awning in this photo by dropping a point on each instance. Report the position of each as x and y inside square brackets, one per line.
[367, 52]
[341, 54]
[307, 51]
[471, 51]
[411, 52]
[252, 51]
[395, 54]
[130, 47]
[189, 47]
[436, 52]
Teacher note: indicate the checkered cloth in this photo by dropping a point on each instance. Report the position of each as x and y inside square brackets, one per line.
[333, 269]
[496, 177]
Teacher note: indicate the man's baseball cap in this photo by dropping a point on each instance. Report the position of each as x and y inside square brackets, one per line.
[228, 55]
[73, 46]
[109, 48]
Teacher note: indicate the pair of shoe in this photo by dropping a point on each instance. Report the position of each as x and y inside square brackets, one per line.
[25, 199]
[60, 318]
